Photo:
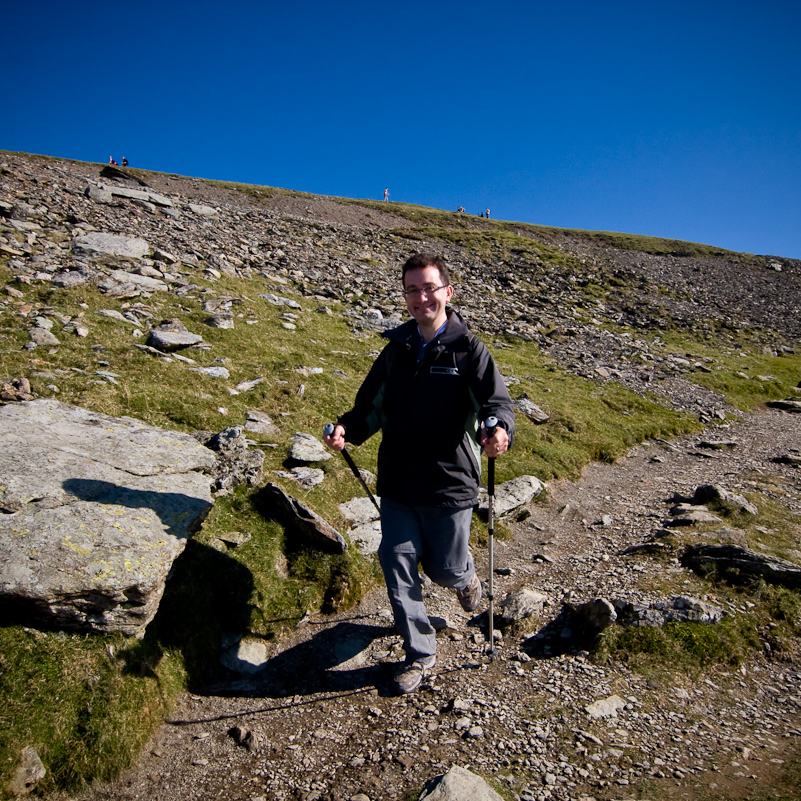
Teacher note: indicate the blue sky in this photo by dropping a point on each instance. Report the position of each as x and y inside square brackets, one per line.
[675, 119]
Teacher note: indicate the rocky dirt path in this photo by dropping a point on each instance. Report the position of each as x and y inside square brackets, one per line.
[321, 724]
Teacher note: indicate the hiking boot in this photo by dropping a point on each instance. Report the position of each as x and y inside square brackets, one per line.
[411, 674]
[470, 596]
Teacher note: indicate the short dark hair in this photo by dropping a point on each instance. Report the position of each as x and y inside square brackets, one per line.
[419, 261]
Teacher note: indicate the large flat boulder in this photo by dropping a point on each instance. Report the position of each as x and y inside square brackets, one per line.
[98, 243]
[95, 510]
[511, 495]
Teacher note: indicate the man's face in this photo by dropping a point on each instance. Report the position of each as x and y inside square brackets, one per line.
[428, 308]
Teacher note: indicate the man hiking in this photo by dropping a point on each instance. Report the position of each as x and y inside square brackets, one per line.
[428, 392]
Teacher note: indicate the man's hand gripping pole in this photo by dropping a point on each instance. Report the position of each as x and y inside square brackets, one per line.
[329, 430]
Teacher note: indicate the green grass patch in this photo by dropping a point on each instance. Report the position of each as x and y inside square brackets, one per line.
[588, 421]
[689, 649]
[86, 704]
[741, 371]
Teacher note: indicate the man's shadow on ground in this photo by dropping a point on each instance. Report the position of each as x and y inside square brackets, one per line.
[332, 660]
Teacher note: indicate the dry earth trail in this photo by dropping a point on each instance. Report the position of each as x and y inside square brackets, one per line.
[324, 725]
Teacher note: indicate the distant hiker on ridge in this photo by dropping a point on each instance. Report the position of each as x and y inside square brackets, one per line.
[386, 194]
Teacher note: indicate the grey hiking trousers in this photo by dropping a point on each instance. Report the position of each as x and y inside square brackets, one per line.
[438, 538]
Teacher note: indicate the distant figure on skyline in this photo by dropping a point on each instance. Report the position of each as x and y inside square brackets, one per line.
[460, 210]
[124, 162]
[386, 194]
[111, 161]
[486, 214]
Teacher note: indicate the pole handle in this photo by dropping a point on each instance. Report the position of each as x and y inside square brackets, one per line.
[491, 424]
[329, 429]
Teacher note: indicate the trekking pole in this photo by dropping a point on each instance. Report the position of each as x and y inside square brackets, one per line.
[491, 424]
[329, 430]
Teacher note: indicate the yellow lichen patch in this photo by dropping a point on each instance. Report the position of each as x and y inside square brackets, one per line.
[81, 550]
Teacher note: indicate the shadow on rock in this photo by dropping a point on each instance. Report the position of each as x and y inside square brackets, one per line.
[181, 514]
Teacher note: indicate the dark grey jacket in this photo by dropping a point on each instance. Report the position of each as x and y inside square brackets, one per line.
[430, 414]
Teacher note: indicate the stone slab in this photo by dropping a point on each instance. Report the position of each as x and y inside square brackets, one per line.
[97, 509]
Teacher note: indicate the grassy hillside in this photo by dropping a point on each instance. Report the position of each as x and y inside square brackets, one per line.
[87, 703]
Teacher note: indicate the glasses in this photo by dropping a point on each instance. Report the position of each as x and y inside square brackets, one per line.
[427, 290]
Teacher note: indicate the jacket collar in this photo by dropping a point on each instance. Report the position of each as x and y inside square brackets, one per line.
[454, 331]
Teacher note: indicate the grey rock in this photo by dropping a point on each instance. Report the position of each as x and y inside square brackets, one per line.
[136, 194]
[121, 176]
[308, 477]
[165, 256]
[737, 561]
[531, 410]
[118, 289]
[675, 610]
[605, 707]
[213, 372]
[360, 510]
[367, 536]
[223, 320]
[512, 494]
[279, 301]
[97, 243]
[459, 784]
[41, 337]
[522, 604]
[260, 423]
[236, 463]
[201, 210]
[595, 616]
[306, 448]
[691, 518]
[246, 386]
[141, 282]
[300, 520]
[97, 509]
[115, 315]
[28, 774]
[171, 335]
[99, 194]
[71, 278]
[234, 539]
[709, 493]
[308, 371]
[787, 405]
[247, 656]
